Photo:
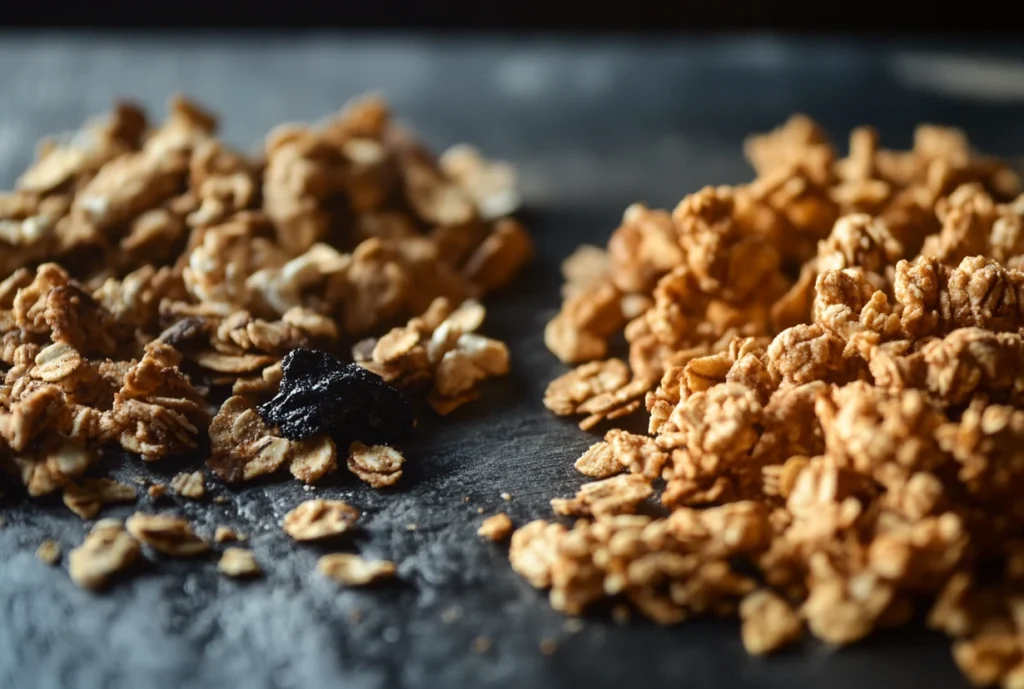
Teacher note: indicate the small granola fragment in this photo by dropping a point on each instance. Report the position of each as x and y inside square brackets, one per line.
[616, 495]
[48, 552]
[352, 570]
[166, 534]
[378, 465]
[317, 519]
[239, 563]
[496, 527]
[191, 485]
[87, 498]
[223, 534]
[107, 551]
[769, 623]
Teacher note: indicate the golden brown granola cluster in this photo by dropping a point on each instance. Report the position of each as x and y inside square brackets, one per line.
[153, 279]
[831, 357]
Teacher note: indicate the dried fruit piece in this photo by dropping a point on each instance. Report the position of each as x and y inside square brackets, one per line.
[352, 570]
[317, 519]
[320, 395]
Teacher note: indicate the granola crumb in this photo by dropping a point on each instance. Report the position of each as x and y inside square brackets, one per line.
[238, 563]
[191, 485]
[412, 527]
[319, 519]
[572, 625]
[548, 647]
[221, 499]
[224, 534]
[621, 614]
[451, 614]
[480, 510]
[482, 644]
[506, 496]
[157, 491]
[352, 570]
[48, 552]
[496, 528]
[107, 551]
[166, 534]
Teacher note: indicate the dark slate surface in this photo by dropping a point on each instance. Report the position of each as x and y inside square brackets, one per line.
[593, 125]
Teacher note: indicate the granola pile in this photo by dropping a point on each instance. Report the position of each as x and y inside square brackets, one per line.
[831, 360]
[152, 281]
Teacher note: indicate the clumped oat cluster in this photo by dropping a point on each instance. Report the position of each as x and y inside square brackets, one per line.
[154, 279]
[831, 359]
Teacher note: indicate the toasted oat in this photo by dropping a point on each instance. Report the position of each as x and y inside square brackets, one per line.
[317, 519]
[157, 490]
[107, 551]
[223, 534]
[88, 497]
[496, 527]
[166, 534]
[238, 563]
[190, 485]
[48, 552]
[378, 465]
[352, 570]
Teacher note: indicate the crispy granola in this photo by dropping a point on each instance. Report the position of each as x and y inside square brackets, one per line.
[497, 527]
[352, 570]
[830, 359]
[317, 519]
[107, 551]
[239, 563]
[166, 534]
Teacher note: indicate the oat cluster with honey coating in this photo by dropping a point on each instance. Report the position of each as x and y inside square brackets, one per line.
[152, 280]
[831, 358]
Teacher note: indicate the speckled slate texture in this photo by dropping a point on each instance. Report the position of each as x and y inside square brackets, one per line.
[593, 125]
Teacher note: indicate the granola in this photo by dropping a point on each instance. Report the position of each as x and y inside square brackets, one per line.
[352, 570]
[239, 563]
[317, 519]
[829, 357]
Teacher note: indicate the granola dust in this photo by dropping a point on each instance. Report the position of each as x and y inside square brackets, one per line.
[147, 270]
[829, 358]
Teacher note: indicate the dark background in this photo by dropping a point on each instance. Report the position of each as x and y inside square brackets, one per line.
[984, 17]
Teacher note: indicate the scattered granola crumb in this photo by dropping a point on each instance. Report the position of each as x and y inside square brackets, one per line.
[411, 527]
[48, 552]
[224, 534]
[506, 496]
[621, 614]
[480, 510]
[548, 647]
[166, 534]
[88, 497]
[221, 499]
[107, 551]
[573, 625]
[378, 465]
[318, 519]
[482, 644]
[496, 527]
[449, 615]
[352, 570]
[190, 485]
[157, 490]
[239, 562]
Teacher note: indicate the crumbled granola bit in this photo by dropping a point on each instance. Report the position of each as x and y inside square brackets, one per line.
[239, 563]
[482, 644]
[317, 519]
[378, 465]
[224, 534]
[87, 498]
[548, 647]
[166, 534]
[838, 417]
[157, 491]
[352, 570]
[769, 623]
[506, 496]
[48, 552]
[496, 527]
[107, 551]
[191, 485]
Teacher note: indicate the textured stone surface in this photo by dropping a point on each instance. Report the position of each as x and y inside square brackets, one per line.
[592, 125]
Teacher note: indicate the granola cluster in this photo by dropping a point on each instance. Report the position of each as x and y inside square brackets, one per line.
[830, 357]
[153, 280]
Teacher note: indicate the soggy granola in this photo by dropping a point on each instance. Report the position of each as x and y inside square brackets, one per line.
[166, 296]
[830, 359]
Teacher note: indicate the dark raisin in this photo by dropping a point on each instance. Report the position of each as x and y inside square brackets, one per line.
[319, 394]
